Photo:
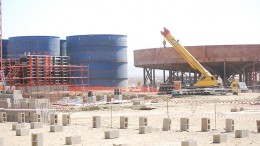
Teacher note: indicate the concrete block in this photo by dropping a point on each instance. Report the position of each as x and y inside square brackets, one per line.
[3, 117]
[166, 124]
[37, 139]
[241, 109]
[234, 110]
[22, 132]
[66, 120]
[92, 99]
[184, 124]
[53, 119]
[258, 126]
[123, 122]
[71, 140]
[205, 124]
[145, 129]
[104, 98]
[21, 117]
[56, 128]
[1, 141]
[118, 97]
[35, 125]
[230, 125]
[143, 121]
[189, 143]
[110, 134]
[96, 121]
[36, 117]
[219, 138]
[138, 102]
[17, 126]
[241, 133]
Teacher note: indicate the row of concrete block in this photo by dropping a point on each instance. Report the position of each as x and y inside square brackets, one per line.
[143, 121]
[184, 123]
[36, 125]
[21, 118]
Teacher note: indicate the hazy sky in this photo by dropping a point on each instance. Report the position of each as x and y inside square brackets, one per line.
[193, 22]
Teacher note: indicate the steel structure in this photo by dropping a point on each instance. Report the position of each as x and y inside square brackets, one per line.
[223, 60]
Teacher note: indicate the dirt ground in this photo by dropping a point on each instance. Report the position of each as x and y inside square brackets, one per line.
[217, 108]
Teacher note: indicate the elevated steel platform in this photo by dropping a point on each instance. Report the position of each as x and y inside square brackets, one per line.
[222, 60]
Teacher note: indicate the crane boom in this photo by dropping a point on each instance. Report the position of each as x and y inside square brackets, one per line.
[206, 79]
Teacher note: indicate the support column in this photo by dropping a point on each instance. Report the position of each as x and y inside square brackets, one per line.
[164, 76]
[170, 75]
[195, 76]
[225, 76]
[144, 76]
[153, 81]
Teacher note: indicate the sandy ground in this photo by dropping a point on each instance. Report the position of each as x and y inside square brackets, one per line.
[82, 124]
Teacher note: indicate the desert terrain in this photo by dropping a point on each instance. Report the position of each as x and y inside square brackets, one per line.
[195, 107]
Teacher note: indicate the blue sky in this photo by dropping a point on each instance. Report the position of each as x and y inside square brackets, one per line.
[194, 22]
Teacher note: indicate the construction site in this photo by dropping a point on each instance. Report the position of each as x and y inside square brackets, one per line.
[76, 91]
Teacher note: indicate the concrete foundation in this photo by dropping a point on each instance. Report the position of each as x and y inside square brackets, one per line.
[241, 133]
[230, 125]
[96, 121]
[234, 110]
[71, 140]
[258, 126]
[143, 121]
[3, 117]
[145, 129]
[37, 139]
[16, 126]
[123, 122]
[53, 119]
[220, 138]
[56, 128]
[205, 124]
[22, 132]
[189, 143]
[66, 120]
[184, 124]
[21, 117]
[166, 124]
[110, 134]
[35, 125]
[36, 117]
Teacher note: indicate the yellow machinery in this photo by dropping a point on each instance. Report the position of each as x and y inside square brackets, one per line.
[235, 87]
[206, 79]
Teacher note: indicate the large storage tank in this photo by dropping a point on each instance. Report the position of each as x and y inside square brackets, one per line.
[106, 56]
[36, 45]
[63, 48]
[4, 48]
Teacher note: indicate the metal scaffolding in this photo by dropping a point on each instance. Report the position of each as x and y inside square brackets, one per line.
[42, 70]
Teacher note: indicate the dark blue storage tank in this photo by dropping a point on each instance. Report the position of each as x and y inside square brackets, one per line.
[36, 45]
[106, 56]
[4, 48]
[63, 48]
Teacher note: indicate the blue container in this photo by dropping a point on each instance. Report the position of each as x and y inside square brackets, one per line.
[36, 45]
[106, 56]
[63, 48]
[4, 48]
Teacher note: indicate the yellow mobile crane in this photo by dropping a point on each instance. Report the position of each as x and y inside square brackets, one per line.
[207, 82]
